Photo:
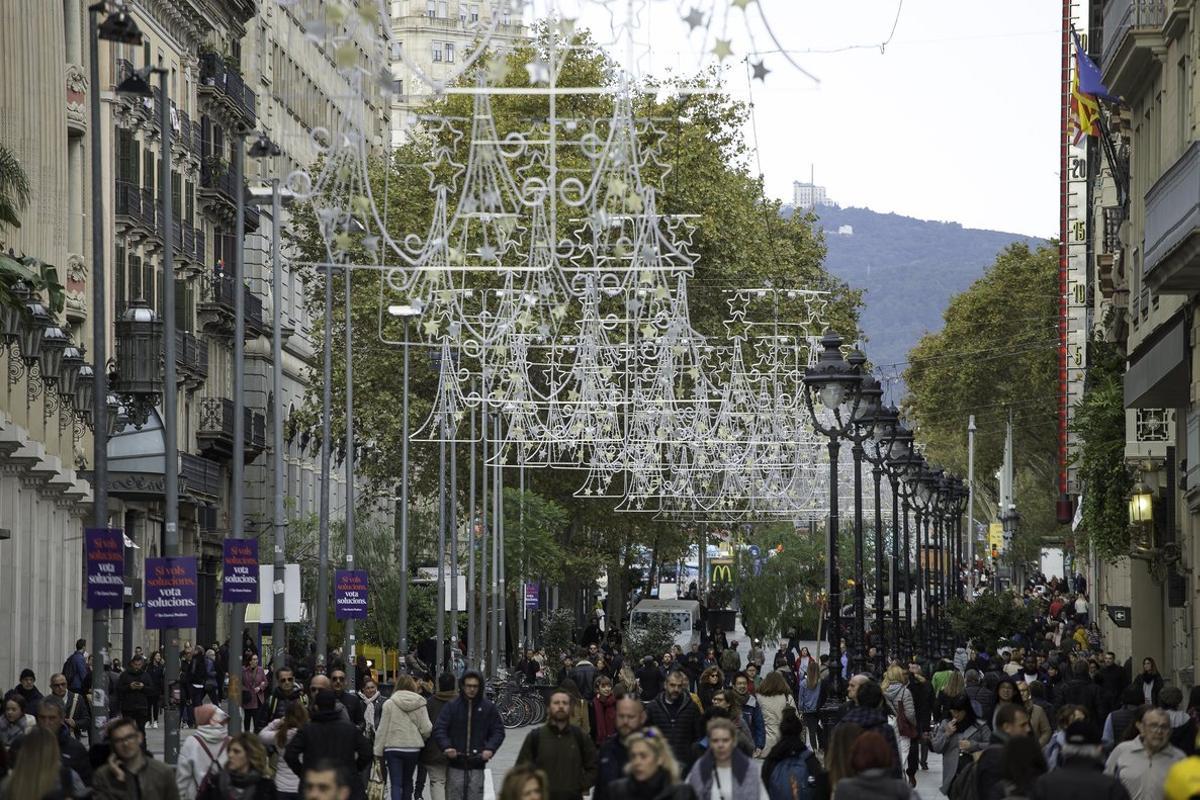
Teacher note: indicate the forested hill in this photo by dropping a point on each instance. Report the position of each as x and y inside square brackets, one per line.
[910, 269]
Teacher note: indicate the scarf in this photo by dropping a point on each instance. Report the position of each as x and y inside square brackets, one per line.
[238, 785]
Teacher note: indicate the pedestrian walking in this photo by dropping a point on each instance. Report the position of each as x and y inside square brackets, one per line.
[156, 671]
[15, 723]
[867, 712]
[724, 772]
[285, 692]
[1021, 764]
[1142, 763]
[246, 774]
[275, 737]
[653, 773]
[356, 709]
[711, 680]
[1080, 772]
[1011, 722]
[902, 709]
[136, 690]
[751, 712]
[204, 753]
[774, 698]
[524, 782]
[604, 710]
[373, 702]
[73, 754]
[254, 691]
[469, 732]
[1038, 721]
[432, 758]
[27, 690]
[872, 766]
[328, 735]
[837, 755]
[76, 668]
[403, 730]
[129, 773]
[958, 737]
[613, 754]
[562, 750]
[40, 774]
[810, 697]
[791, 770]
[77, 711]
[674, 713]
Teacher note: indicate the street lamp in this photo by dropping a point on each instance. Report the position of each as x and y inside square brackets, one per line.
[882, 425]
[54, 346]
[70, 366]
[1141, 505]
[833, 383]
[406, 312]
[863, 430]
[12, 315]
[38, 321]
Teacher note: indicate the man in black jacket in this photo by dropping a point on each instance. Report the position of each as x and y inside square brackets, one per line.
[135, 690]
[1011, 721]
[469, 732]
[1080, 691]
[674, 713]
[1111, 679]
[78, 709]
[355, 707]
[285, 692]
[329, 736]
[74, 755]
[1080, 771]
[613, 756]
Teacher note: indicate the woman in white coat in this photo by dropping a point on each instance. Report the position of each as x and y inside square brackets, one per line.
[401, 735]
[774, 695]
[204, 752]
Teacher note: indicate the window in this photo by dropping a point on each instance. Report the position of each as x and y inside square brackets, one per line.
[462, 14]
[437, 52]
[443, 9]
[431, 8]
[145, 54]
[397, 49]
[119, 264]
[474, 13]
[397, 87]
[449, 52]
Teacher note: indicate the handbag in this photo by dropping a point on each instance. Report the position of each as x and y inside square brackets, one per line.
[376, 790]
[904, 726]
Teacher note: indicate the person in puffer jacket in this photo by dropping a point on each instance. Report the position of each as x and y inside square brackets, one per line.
[401, 735]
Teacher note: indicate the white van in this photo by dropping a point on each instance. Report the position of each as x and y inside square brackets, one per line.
[684, 613]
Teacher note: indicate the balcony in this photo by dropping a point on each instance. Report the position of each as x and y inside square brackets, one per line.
[191, 356]
[199, 477]
[1171, 264]
[215, 434]
[128, 205]
[216, 181]
[217, 305]
[1132, 36]
[149, 211]
[226, 89]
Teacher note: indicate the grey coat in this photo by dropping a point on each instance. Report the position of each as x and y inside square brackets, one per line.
[947, 744]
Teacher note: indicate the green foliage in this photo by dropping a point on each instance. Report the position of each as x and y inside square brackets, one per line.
[997, 352]
[990, 619]
[532, 526]
[1100, 460]
[15, 190]
[558, 633]
[656, 638]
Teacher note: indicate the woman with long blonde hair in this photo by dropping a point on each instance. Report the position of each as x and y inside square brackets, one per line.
[652, 772]
[39, 772]
[276, 736]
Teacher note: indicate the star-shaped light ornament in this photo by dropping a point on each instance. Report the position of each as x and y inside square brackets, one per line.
[723, 49]
[694, 18]
[760, 70]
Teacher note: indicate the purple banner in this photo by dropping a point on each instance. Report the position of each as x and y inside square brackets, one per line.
[171, 592]
[105, 567]
[531, 595]
[350, 594]
[240, 584]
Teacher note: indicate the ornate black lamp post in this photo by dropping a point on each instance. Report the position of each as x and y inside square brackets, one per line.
[883, 429]
[863, 431]
[834, 383]
[899, 444]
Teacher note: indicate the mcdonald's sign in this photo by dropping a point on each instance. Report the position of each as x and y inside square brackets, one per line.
[721, 572]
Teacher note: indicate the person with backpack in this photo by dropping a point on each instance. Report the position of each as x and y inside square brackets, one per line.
[653, 773]
[204, 754]
[976, 780]
[75, 668]
[329, 735]
[563, 751]
[958, 737]
[791, 770]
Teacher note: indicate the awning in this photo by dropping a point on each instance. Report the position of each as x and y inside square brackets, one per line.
[1157, 375]
[135, 460]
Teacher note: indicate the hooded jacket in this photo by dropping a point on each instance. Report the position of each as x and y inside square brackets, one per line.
[195, 761]
[432, 755]
[330, 736]
[469, 727]
[405, 724]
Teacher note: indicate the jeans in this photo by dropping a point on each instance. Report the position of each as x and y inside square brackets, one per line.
[420, 780]
[816, 736]
[464, 784]
[401, 766]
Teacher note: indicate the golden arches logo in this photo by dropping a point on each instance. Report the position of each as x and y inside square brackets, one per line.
[722, 573]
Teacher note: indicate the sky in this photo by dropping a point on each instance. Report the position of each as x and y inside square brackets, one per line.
[955, 119]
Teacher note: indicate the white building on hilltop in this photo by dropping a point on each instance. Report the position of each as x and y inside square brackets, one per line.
[806, 195]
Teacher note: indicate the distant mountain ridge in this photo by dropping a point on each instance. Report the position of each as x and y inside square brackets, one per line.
[910, 268]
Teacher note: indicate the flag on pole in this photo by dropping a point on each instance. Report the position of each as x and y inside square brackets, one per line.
[1090, 80]
[1087, 89]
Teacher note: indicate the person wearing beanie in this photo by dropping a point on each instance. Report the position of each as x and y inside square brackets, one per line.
[329, 735]
[1080, 772]
[204, 752]
[27, 690]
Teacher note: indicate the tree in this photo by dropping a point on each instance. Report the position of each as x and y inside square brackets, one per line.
[1106, 480]
[654, 639]
[558, 634]
[15, 190]
[990, 620]
[995, 355]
